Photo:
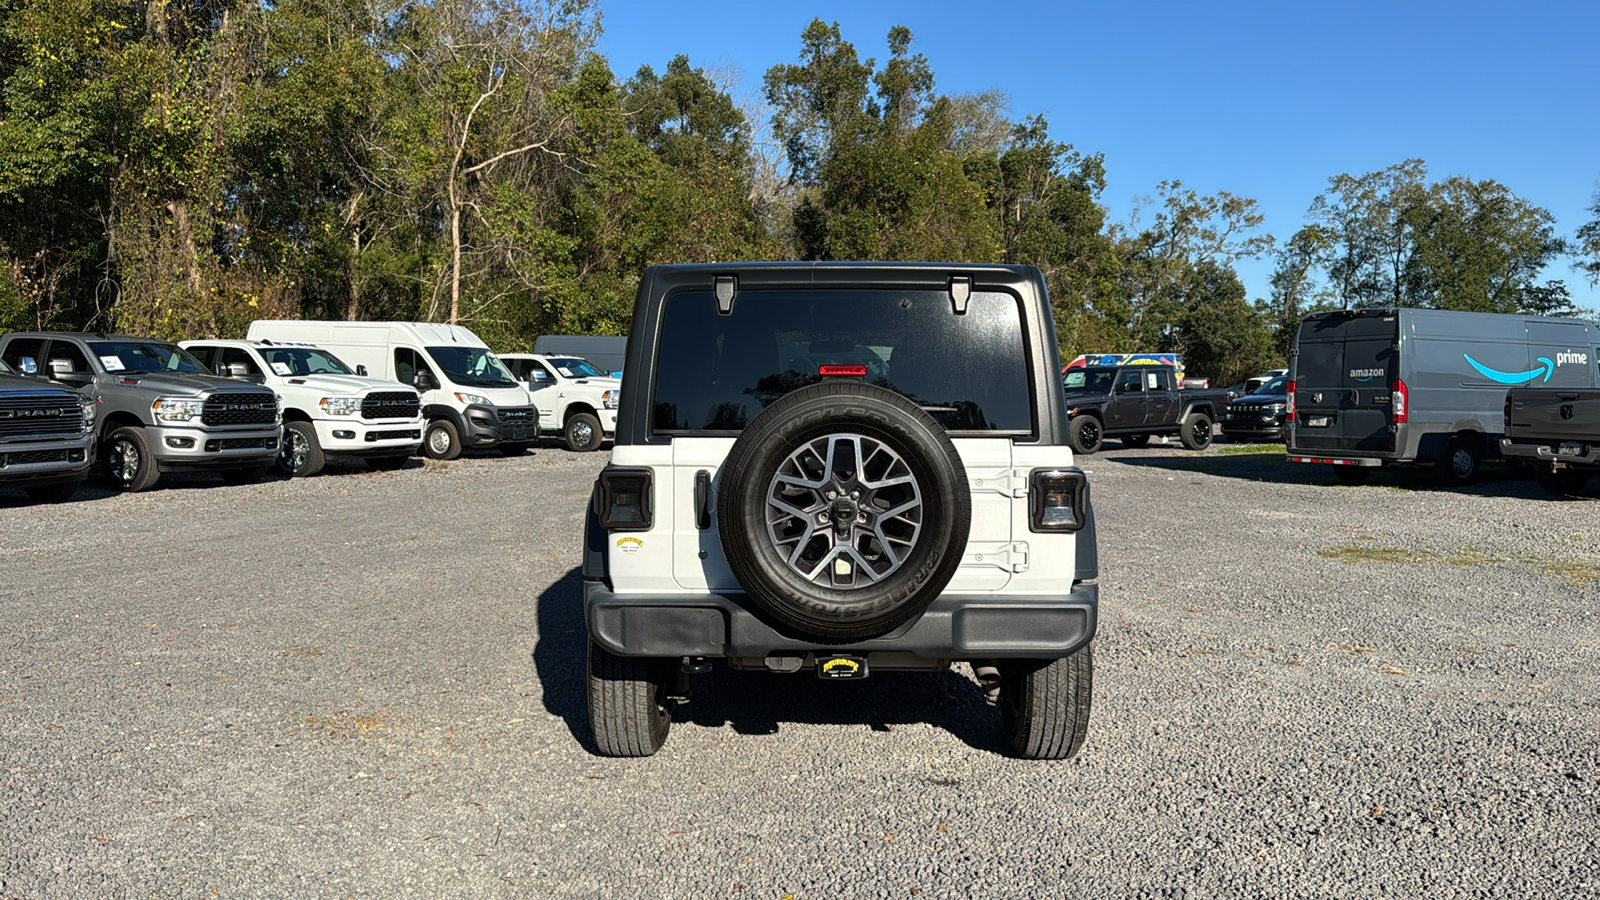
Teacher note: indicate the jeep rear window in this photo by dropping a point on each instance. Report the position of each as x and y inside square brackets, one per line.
[715, 372]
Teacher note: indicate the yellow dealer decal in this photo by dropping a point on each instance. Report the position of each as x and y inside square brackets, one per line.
[629, 544]
[832, 664]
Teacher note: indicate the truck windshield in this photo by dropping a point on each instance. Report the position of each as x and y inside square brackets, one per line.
[573, 367]
[1089, 380]
[472, 366]
[145, 356]
[716, 372]
[303, 361]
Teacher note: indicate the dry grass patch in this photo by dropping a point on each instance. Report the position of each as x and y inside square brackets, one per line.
[1357, 555]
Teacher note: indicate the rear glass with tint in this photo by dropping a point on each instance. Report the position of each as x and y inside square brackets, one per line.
[715, 372]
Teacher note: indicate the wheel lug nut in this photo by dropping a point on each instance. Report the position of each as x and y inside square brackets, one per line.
[855, 495]
[832, 496]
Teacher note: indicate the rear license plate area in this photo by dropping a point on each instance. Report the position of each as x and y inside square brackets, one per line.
[1317, 421]
[1571, 449]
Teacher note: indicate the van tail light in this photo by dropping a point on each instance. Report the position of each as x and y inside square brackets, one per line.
[624, 499]
[1058, 500]
[1399, 408]
[1288, 410]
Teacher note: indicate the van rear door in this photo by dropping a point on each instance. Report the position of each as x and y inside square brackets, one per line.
[1345, 365]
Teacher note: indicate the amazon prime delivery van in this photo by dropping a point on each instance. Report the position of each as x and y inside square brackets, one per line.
[1379, 387]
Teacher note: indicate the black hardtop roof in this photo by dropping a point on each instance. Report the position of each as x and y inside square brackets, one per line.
[838, 273]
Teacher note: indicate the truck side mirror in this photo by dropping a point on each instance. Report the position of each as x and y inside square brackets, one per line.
[27, 365]
[361, 370]
[539, 376]
[237, 370]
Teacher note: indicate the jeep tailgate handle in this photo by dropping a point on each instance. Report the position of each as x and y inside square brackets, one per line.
[702, 500]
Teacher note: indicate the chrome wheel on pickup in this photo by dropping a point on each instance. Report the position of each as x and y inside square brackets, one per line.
[128, 460]
[844, 510]
[301, 453]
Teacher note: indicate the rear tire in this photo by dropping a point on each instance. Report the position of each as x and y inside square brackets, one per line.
[1135, 441]
[441, 440]
[583, 433]
[1044, 704]
[1352, 474]
[1565, 483]
[1459, 465]
[1196, 431]
[52, 493]
[1085, 434]
[626, 712]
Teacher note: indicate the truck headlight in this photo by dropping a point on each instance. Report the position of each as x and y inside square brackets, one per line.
[470, 399]
[610, 399]
[340, 406]
[175, 409]
[90, 409]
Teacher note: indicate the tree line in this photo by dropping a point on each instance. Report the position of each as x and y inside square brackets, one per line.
[178, 170]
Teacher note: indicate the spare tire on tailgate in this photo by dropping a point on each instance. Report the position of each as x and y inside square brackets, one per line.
[843, 510]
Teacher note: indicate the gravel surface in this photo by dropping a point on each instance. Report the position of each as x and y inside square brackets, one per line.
[371, 684]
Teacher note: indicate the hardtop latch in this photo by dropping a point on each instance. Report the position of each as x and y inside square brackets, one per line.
[725, 287]
[960, 292]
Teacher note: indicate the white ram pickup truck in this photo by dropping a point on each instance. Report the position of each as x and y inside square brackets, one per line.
[571, 392]
[328, 410]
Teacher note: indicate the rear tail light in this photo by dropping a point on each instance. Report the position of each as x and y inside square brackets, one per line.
[624, 499]
[1506, 412]
[836, 371]
[1058, 500]
[1288, 410]
[1398, 407]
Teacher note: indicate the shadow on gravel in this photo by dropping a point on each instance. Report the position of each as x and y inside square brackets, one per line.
[1495, 480]
[561, 654]
[759, 703]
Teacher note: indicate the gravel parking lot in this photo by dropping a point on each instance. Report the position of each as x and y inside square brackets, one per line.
[371, 684]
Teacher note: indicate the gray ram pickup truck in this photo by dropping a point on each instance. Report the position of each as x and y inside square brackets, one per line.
[159, 409]
[1555, 432]
[46, 437]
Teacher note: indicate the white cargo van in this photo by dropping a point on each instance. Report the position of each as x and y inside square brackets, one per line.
[468, 397]
[328, 410]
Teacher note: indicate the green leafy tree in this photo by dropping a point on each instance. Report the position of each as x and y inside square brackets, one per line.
[1480, 248]
[1588, 244]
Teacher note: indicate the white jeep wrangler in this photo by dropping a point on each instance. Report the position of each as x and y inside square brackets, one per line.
[841, 468]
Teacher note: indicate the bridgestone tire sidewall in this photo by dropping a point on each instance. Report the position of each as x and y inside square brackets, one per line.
[842, 408]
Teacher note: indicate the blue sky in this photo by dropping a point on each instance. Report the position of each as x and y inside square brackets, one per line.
[1264, 100]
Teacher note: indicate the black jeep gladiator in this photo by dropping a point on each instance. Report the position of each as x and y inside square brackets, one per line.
[1133, 402]
[1557, 432]
[841, 468]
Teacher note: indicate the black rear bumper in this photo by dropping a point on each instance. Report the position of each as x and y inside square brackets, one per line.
[959, 627]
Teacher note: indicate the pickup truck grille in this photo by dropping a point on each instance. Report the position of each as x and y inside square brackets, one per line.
[40, 456]
[240, 409]
[391, 405]
[40, 415]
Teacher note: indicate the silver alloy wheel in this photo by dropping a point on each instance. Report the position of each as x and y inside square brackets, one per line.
[295, 450]
[125, 461]
[844, 511]
[439, 441]
[582, 433]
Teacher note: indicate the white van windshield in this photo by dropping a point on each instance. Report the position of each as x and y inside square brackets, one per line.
[472, 366]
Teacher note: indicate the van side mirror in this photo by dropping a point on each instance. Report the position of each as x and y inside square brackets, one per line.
[424, 381]
[361, 370]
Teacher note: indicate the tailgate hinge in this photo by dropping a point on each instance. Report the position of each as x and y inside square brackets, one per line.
[1012, 557]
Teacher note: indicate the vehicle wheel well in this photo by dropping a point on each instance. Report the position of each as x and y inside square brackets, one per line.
[295, 415]
[576, 409]
[118, 420]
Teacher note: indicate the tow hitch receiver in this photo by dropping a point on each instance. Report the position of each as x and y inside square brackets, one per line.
[840, 667]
